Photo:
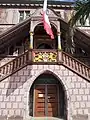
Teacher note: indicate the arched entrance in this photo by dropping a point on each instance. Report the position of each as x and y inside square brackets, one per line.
[47, 97]
[42, 40]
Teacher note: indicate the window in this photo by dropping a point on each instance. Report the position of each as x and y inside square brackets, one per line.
[27, 13]
[23, 15]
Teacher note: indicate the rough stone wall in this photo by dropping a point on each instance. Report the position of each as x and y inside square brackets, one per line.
[8, 17]
[14, 91]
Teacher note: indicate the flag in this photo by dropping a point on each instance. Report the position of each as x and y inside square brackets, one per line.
[46, 22]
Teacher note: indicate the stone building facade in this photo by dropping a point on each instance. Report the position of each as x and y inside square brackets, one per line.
[11, 16]
[14, 91]
[37, 78]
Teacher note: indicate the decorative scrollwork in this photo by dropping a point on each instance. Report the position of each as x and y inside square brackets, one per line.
[45, 57]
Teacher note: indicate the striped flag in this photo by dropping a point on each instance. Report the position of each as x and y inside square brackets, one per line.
[46, 22]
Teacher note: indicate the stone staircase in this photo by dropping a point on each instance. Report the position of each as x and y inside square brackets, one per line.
[15, 65]
[28, 57]
[45, 118]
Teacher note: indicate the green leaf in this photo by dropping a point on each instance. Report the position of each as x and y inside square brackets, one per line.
[82, 8]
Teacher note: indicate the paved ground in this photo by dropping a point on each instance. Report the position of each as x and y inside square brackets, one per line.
[46, 118]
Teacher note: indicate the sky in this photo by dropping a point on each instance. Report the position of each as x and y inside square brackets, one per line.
[65, 0]
[58, 0]
[28, 1]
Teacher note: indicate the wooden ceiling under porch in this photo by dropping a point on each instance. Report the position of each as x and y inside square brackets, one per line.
[21, 30]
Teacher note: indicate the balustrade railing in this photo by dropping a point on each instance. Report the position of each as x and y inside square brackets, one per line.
[45, 56]
[15, 64]
[75, 65]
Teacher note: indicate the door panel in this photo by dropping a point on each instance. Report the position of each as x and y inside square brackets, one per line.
[46, 100]
[40, 100]
[52, 100]
[52, 105]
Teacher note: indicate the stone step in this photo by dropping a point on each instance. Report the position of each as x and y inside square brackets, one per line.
[45, 118]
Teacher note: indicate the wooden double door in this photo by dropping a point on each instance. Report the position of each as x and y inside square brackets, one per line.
[46, 100]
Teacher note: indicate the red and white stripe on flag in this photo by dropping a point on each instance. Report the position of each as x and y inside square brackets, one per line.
[46, 22]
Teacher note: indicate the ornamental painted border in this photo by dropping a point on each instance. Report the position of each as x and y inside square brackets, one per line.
[39, 56]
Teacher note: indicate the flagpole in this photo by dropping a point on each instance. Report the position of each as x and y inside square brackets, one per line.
[45, 5]
[46, 21]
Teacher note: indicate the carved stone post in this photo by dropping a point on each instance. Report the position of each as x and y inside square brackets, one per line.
[59, 41]
[31, 40]
[59, 35]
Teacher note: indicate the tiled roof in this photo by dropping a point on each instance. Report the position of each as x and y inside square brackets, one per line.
[36, 1]
[28, 3]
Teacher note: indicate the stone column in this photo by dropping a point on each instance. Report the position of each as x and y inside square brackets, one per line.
[59, 41]
[31, 40]
[59, 35]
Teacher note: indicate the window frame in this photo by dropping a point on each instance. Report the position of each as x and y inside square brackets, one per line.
[25, 16]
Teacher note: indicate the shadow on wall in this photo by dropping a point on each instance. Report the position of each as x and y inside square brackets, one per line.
[17, 80]
[80, 117]
[11, 118]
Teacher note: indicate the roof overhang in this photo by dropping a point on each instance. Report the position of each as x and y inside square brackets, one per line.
[15, 33]
[34, 3]
[20, 30]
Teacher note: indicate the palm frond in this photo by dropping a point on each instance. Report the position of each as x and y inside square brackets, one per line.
[82, 12]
